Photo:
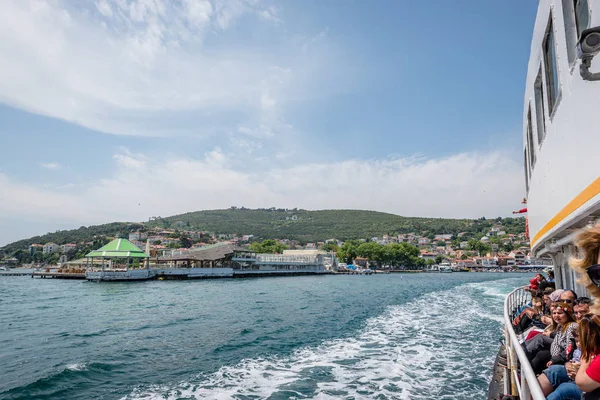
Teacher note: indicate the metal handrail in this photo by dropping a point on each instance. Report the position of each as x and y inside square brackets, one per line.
[522, 380]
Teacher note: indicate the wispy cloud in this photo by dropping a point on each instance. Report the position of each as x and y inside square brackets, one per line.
[51, 165]
[462, 185]
[141, 67]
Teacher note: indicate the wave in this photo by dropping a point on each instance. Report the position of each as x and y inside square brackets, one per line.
[440, 345]
[62, 382]
[77, 367]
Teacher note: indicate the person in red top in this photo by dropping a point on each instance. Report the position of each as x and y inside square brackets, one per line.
[587, 376]
[534, 282]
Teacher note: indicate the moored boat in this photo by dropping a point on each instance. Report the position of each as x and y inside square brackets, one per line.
[445, 267]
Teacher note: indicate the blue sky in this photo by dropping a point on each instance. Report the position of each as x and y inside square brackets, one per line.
[126, 109]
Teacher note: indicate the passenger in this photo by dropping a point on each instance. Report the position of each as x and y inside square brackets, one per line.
[547, 300]
[534, 282]
[568, 296]
[587, 375]
[530, 316]
[555, 295]
[555, 381]
[548, 283]
[581, 307]
[538, 342]
[563, 324]
[588, 267]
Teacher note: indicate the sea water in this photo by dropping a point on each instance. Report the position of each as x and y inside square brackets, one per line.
[393, 336]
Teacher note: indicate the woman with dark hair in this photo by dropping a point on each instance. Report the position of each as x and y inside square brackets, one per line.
[557, 381]
[587, 375]
[530, 316]
[534, 282]
[563, 323]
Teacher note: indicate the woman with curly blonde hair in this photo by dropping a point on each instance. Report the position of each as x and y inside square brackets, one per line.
[588, 267]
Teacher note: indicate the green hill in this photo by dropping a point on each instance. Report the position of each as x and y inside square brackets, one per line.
[302, 225]
[326, 224]
[82, 234]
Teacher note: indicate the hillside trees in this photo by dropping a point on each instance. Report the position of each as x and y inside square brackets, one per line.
[268, 246]
[479, 247]
[394, 254]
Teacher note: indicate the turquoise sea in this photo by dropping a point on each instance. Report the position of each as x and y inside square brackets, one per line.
[395, 336]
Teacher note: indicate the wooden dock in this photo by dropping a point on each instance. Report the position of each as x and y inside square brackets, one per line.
[406, 271]
[58, 275]
[11, 273]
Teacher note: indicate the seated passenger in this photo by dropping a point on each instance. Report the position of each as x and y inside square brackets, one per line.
[581, 307]
[555, 381]
[563, 324]
[555, 295]
[547, 300]
[587, 375]
[534, 282]
[548, 283]
[568, 296]
[530, 316]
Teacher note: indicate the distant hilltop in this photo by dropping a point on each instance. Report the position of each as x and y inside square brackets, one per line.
[297, 225]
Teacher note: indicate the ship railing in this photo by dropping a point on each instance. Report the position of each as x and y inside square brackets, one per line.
[519, 378]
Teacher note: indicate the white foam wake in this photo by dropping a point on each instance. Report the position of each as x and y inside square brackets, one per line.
[440, 345]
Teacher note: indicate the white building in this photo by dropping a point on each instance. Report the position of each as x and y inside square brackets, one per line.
[65, 248]
[51, 248]
[519, 257]
[138, 236]
[489, 262]
[443, 237]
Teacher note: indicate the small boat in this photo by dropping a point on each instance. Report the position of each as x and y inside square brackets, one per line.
[445, 267]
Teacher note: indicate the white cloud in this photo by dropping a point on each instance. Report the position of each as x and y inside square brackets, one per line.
[462, 185]
[121, 67]
[104, 8]
[51, 165]
[198, 12]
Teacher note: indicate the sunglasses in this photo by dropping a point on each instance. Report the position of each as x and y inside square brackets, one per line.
[593, 272]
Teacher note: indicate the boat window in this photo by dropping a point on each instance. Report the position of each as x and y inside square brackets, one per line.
[568, 8]
[540, 113]
[551, 67]
[582, 15]
[530, 140]
[526, 168]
